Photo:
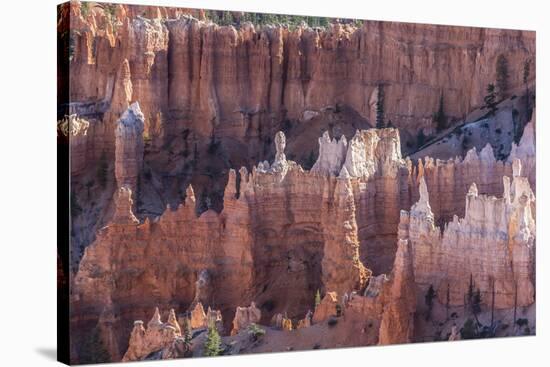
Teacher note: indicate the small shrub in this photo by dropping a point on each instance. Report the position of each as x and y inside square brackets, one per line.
[522, 322]
[255, 331]
[76, 209]
[469, 330]
[317, 346]
[310, 160]
[332, 321]
[338, 310]
[102, 170]
[317, 298]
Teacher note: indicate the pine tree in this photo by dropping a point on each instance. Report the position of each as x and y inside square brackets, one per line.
[502, 76]
[493, 303]
[187, 336]
[212, 345]
[420, 138]
[102, 170]
[310, 161]
[448, 302]
[92, 348]
[490, 99]
[380, 107]
[428, 299]
[526, 73]
[440, 118]
[317, 299]
[476, 302]
[470, 290]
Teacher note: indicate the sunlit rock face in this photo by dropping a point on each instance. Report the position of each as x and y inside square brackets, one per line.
[285, 232]
[491, 249]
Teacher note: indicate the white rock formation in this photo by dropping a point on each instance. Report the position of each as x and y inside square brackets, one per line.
[129, 146]
[494, 245]
[332, 154]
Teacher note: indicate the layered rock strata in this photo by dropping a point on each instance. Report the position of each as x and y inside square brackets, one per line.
[285, 232]
[491, 249]
[238, 80]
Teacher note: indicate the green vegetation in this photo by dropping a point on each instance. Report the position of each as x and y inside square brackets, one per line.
[76, 209]
[92, 349]
[146, 137]
[317, 299]
[225, 18]
[476, 302]
[502, 76]
[491, 99]
[255, 331]
[429, 300]
[338, 310]
[469, 330]
[213, 145]
[526, 71]
[439, 117]
[187, 336]
[310, 160]
[380, 107]
[526, 74]
[84, 8]
[102, 170]
[420, 138]
[212, 346]
[447, 302]
[522, 322]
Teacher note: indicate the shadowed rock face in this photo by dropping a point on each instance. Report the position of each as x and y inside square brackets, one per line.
[174, 105]
[213, 97]
[285, 232]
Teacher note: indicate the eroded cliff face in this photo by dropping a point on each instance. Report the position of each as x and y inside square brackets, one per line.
[165, 107]
[214, 96]
[285, 232]
[239, 80]
[491, 249]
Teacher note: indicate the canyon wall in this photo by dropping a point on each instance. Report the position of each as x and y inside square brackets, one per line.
[285, 232]
[163, 103]
[213, 97]
[242, 84]
[491, 249]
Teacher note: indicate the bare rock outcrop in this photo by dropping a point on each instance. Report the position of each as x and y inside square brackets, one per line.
[244, 316]
[129, 147]
[332, 154]
[284, 231]
[326, 308]
[493, 245]
[156, 337]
